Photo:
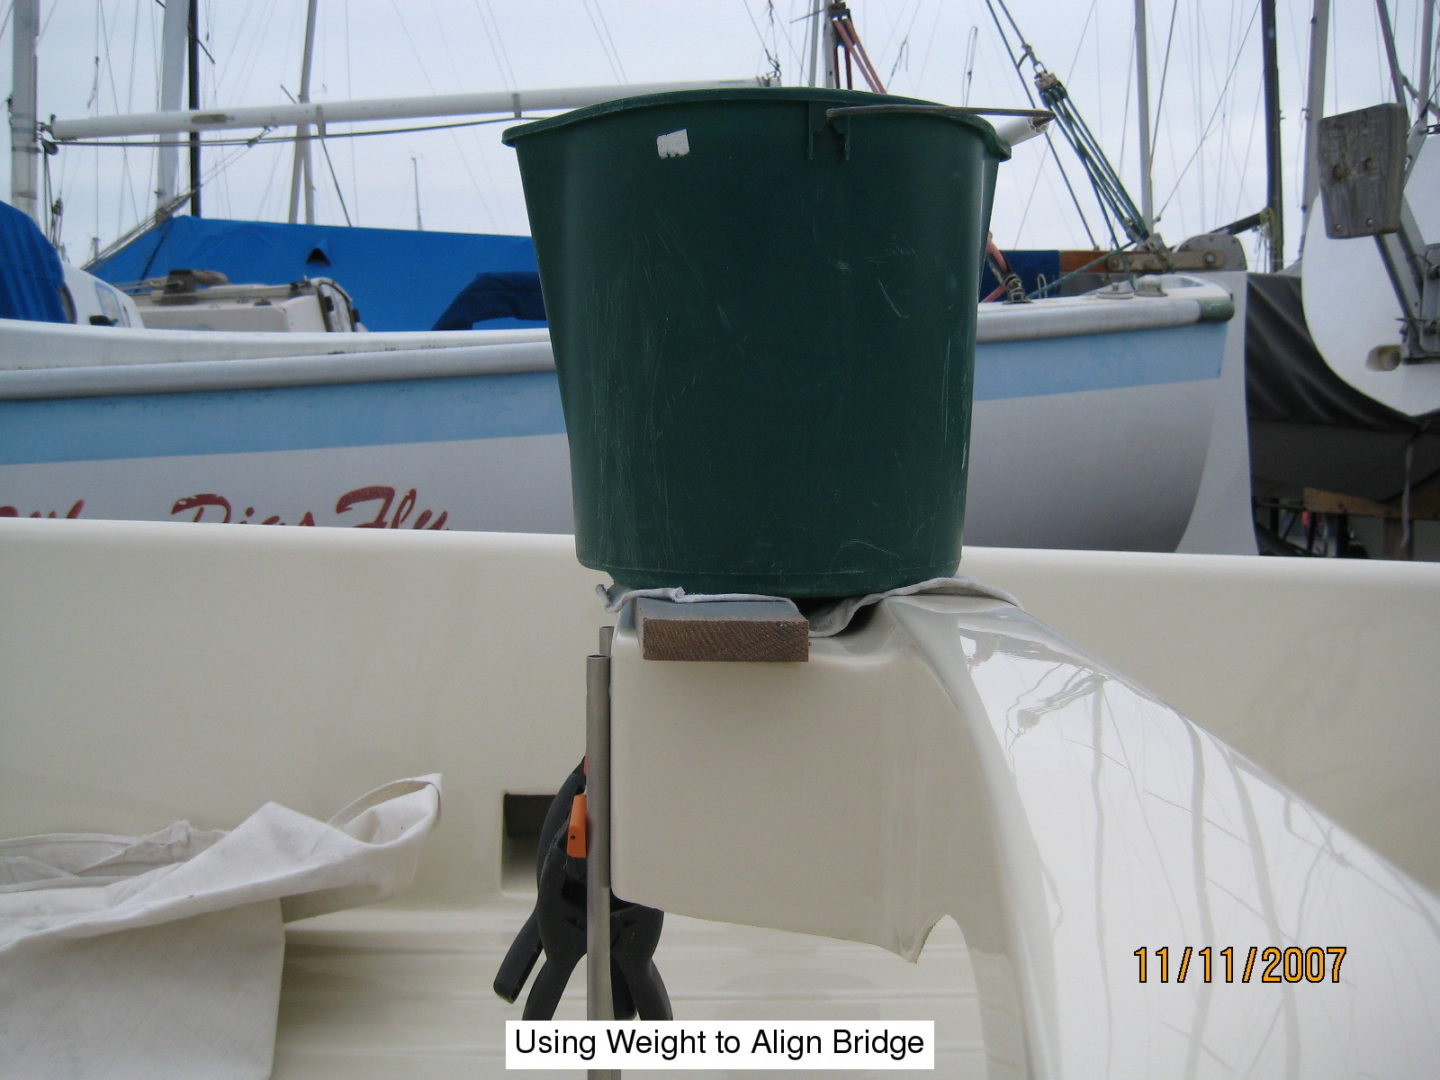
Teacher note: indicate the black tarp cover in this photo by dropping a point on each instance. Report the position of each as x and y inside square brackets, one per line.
[1288, 381]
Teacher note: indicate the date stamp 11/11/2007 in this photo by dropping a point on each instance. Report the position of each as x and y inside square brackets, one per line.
[1268, 964]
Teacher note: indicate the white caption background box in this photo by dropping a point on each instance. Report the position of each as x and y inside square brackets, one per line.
[800, 1045]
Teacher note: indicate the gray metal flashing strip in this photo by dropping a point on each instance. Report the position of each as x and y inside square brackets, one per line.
[275, 371]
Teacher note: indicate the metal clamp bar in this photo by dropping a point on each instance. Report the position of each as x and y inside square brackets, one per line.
[600, 1003]
[938, 110]
[1027, 123]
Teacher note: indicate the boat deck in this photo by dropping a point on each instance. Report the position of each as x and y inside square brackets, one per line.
[392, 991]
[156, 672]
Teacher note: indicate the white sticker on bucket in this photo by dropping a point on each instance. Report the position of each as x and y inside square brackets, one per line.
[673, 143]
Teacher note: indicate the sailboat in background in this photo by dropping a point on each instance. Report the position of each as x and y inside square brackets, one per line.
[1116, 432]
[1343, 379]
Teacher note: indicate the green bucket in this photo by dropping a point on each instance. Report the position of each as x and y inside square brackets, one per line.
[763, 318]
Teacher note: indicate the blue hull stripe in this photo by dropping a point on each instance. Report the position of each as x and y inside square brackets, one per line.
[1016, 369]
[292, 418]
[492, 406]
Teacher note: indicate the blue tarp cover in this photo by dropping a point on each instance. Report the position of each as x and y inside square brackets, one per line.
[399, 280]
[513, 295]
[31, 276]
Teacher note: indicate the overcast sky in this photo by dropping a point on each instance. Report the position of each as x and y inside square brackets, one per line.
[100, 58]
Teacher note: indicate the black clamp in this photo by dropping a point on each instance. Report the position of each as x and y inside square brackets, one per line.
[557, 928]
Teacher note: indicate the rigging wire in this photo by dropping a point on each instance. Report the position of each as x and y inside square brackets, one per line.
[770, 57]
[974, 36]
[1205, 134]
[1027, 51]
[1080, 40]
[339, 195]
[125, 185]
[1387, 38]
[460, 151]
[496, 41]
[349, 92]
[160, 213]
[1158, 126]
[771, 48]
[1130, 61]
[776, 37]
[1105, 183]
[607, 43]
[902, 54]
[930, 45]
[490, 25]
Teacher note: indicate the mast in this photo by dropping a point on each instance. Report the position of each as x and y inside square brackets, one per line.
[300, 171]
[173, 48]
[817, 40]
[193, 37]
[24, 153]
[1387, 35]
[1142, 71]
[1274, 201]
[832, 69]
[1427, 38]
[1315, 101]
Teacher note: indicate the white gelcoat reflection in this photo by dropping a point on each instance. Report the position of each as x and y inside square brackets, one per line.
[1150, 833]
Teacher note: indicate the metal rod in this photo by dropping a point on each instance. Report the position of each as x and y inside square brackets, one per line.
[504, 103]
[1427, 49]
[832, 69]
[300, 167]
[599, 1001]
[24, 150]
[1315, 101]
[1142, 68]
[938, 110]
[816, 39]
[1273, 198]
[172, 87]
[1387, 36]
[193, 78]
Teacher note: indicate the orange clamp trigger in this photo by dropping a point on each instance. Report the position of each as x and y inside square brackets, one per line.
[576, 843]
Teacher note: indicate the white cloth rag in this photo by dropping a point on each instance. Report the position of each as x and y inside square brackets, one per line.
[160, 956]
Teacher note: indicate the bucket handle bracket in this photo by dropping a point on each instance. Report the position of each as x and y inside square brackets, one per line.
[1028, 122]
[823, 119]
[935, 110]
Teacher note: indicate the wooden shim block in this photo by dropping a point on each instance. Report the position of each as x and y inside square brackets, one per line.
[1424, 504]
[1329, 502]
[725, 630]
[1362, 170]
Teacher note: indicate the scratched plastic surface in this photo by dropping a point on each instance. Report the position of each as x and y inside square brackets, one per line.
[763, 320]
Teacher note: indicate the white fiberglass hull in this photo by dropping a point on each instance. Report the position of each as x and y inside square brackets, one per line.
[1084, 435]
[992, 770]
